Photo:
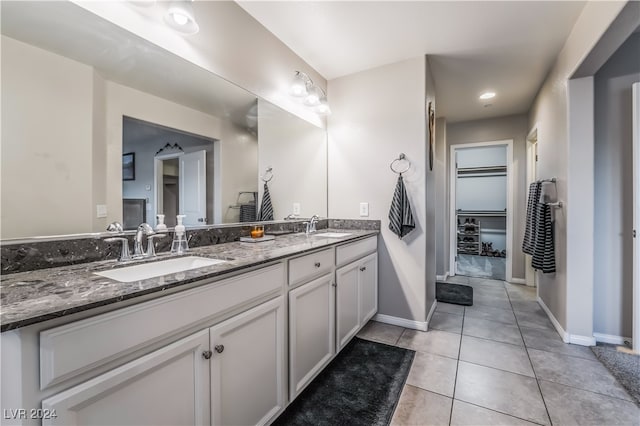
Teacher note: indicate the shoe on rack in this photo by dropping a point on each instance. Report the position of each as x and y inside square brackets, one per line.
[473, 220]
[466, 220]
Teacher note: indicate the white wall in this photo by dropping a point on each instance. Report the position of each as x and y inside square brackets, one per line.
[47, 131]
[511, 127]
[378, 114]
[550, 113]
[442, 199]
[613, 275]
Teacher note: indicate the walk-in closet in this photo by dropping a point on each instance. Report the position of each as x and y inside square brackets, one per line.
[481, 211]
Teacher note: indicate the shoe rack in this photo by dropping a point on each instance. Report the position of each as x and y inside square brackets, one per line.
[468, 235]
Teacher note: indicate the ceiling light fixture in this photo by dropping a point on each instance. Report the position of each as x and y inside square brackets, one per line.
[314, 96]
[487, 95]
[181, 18]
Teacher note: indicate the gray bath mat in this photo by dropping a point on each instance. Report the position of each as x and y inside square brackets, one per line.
[457, 294]
[625, 367]
[360, 387]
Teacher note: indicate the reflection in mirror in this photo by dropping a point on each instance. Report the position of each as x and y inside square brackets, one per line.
[70, 81]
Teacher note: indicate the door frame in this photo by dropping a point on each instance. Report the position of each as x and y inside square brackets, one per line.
[636, 216]
[158, 182]
[452, 203]
[531, 277]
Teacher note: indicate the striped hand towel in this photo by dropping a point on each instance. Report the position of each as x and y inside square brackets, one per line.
[544, 253]
[266, 209]
[530, 229]
[400, 216]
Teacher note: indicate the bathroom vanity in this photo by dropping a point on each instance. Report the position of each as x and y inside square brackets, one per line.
[232, 343]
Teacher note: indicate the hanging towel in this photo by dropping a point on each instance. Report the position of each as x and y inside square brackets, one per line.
[400, 216]
[247, 212]
[266, 209]
[529, 232]
[544, 254]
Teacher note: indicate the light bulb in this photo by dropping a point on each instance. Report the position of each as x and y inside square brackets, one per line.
[298, 85]
[313, 96]
[487, 95]
[323, 107]
[179, 18]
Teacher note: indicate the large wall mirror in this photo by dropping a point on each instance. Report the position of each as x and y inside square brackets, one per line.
[101, 125]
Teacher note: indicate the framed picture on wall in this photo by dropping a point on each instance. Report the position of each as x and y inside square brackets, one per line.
[129, 166]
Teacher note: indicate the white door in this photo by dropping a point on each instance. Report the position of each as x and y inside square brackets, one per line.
[311, 331]
[193, 188]
[347, 303]
[247, 366]
[368, 282]
[169, 386]
[636, 217]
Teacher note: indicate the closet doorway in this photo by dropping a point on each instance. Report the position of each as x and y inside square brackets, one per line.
[481, 209]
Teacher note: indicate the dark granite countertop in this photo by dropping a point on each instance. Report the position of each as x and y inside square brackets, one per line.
[36, 296]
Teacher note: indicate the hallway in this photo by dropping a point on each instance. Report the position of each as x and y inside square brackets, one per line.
[501, 361]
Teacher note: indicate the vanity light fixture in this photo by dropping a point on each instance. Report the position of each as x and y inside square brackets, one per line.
[180, 17]
[487, 95]
[314, 96]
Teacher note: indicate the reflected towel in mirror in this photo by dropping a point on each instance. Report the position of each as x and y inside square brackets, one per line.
[266, 209]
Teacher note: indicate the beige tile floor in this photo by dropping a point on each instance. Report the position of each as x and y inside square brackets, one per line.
[501, 362]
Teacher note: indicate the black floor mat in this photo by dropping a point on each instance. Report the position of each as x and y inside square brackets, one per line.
[454, 293]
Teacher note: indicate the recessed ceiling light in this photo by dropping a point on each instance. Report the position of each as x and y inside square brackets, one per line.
[487, 95]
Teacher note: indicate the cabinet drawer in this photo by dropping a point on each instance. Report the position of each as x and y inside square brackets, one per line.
[312, 265]
[77, 347]
[353, 251]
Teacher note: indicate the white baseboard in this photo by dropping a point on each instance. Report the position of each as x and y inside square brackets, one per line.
[575, 339]
[610, 338]
[434, 305]
[442, 277]
[563, 334]
[401, 322]
[518, 281]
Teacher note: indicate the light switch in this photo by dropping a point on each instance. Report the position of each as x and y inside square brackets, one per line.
[364, 209]
[296, 208]
[147, 187]
[101, 210]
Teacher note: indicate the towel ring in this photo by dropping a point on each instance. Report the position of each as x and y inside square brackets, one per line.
[269, 172]
[400, 158]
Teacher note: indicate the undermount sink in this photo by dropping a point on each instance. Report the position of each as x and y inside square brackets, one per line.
[156, 269]
[332, 234]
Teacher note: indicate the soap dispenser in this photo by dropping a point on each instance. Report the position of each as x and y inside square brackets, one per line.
[180, 244]
[161, 227]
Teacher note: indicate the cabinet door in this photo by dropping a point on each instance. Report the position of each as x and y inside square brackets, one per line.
[248, 379]
[311, 331]
[347, 303]
[168, 386]
[368, 281]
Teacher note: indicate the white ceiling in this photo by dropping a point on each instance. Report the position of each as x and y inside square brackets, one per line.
[507, 47]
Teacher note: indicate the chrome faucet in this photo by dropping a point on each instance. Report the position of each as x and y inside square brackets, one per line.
[144, 229]
[311, 225]
[116, 228]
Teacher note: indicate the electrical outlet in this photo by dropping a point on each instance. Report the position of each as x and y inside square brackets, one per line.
[364, 209]
[296, 208]
[101, 211]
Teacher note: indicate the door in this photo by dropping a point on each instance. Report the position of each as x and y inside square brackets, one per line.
[347, 303]
[193, 188]
[311, 331]
[168, 386]
[532, 176]
[368, 282]
[247, 366]
[636, 217]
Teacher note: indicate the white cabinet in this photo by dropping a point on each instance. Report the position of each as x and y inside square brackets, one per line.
[368, 284]
[311, 331]
[248, 376]
[168, 386]
[356, 297]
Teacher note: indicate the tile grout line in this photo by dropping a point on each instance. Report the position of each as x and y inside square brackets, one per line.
[455, 378]
[535, 376]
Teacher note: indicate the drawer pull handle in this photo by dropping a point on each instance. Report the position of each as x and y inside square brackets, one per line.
[207, 354]
[219, 348]
[364, 268]
[317, 264]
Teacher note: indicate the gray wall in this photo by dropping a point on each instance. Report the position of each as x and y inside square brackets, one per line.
[377, 114]
[613, 283]
[511, 127]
